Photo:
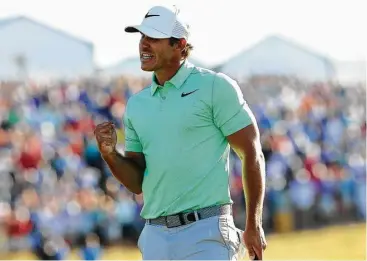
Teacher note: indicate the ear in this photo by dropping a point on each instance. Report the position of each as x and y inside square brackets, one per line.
[182, 44]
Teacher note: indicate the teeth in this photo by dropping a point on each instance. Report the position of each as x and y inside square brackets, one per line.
[146, 56]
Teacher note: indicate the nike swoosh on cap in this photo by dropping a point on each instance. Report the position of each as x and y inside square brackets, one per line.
[148, 15]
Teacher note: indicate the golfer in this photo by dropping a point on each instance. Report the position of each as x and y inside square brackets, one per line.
[179, 132]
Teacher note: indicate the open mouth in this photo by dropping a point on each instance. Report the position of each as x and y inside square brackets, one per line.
[146, 57]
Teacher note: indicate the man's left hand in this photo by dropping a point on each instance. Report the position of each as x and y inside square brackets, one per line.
[255, 242]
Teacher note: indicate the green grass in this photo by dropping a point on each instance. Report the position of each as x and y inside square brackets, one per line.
[333, 243]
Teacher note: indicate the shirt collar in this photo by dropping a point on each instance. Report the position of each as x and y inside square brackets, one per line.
[178, 79]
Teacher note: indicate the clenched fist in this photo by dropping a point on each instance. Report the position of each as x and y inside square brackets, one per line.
[106, 137]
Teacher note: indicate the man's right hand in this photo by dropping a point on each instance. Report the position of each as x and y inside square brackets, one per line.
[106, 137]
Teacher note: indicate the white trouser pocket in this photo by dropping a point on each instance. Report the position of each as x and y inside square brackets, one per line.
[231, 235]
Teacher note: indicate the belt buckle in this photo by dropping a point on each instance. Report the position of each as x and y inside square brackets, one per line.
[171, 221]
[192, 216]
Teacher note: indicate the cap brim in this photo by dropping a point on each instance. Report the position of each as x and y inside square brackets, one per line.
[148, 31]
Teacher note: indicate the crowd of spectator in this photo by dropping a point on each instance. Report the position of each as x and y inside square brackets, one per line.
[56, 190]
[314, 143]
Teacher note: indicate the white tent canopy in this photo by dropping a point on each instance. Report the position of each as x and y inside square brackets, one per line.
[278, 56]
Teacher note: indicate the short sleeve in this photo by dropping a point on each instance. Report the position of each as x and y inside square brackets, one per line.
[132, 142]
[230, 110]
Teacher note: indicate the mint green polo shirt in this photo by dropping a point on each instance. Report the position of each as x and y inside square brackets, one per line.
[181, 129]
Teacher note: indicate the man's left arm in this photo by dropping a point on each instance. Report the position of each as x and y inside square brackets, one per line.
[246, 144]
[238, 124]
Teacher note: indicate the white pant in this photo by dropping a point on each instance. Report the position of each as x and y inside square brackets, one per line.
[207, 239]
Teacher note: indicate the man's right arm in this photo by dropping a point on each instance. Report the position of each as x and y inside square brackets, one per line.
[128, 169]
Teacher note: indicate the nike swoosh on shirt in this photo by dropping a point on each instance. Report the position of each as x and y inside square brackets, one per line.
[188, 93]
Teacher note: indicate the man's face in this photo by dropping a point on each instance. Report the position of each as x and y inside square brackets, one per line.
[156, 54]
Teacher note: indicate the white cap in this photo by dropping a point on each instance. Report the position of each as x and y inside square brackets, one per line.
[160, 23]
